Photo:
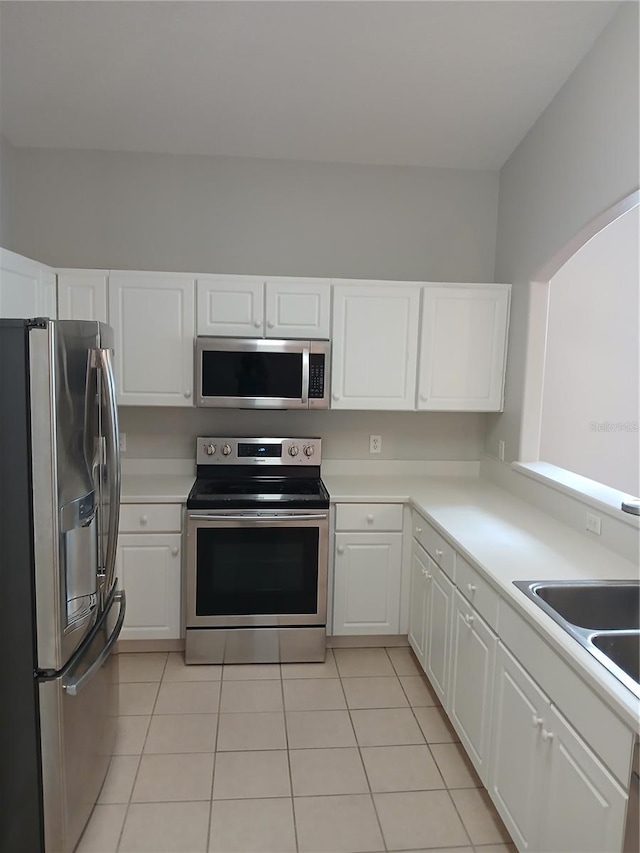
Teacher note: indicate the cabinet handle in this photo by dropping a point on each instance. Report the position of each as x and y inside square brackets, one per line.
[144, 519]
[340, 549]
[369, 519]
[418, 530]
[187, 394]
[536, 721]
[468, 620]
[257, 323]
[424, 397]
[547, 735]
[175, 551]
[335, 395]
[439, 553]
[270, 324]
[471, 587]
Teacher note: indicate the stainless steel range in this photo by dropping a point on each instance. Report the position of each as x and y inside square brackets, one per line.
[257, 552]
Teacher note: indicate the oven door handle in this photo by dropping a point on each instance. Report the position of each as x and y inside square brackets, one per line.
[270, 518]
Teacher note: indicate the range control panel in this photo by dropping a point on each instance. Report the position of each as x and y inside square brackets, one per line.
[213, 450]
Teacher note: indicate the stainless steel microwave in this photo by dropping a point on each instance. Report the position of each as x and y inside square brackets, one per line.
[253, 373]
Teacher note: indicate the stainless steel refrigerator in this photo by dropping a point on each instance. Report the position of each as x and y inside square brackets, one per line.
[60, 608]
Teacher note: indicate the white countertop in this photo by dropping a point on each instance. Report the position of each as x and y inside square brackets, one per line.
[505, 537]
[156, 488]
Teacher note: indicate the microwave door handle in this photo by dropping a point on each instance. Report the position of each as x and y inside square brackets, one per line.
[305, 376]
[113, 463]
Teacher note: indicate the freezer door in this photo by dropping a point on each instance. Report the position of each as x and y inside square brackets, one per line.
[78, 717]
[65, 450]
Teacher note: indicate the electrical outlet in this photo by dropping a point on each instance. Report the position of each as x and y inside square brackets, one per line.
[594, 523]
[501, 450]
[122, 439]
[375, 443]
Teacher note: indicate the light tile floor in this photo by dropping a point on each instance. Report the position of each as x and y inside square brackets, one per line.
[354, 755]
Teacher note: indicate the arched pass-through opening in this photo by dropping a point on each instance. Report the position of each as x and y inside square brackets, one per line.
[538, 329]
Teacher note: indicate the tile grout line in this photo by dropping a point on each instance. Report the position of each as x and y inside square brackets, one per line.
[364, 766]
[215, 761]
[286, 740]
[144, 741]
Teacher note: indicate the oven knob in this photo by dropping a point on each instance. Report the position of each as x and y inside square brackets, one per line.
[226, 450]
[308, 450]
[293, 450]
[209, 449]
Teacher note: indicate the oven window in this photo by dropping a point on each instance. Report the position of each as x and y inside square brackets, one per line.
[261, 571]
[251, 374]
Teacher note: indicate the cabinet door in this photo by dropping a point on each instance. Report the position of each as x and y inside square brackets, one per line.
[463, 336]
[375, 346]
[367, 583]
[297, 307]
[418, 601]
[27, 288]
[520, 711]
[231, 306]
[584, 807]
[473, 655]
[152, 315]
[82, 295]
[439, 612]
[148, 569]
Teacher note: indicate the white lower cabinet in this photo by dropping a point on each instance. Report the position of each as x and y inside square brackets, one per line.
[418, 601]
[583, 806]
[366, 592]
[148, 566]
[438, 630]
[551, 790]
[473, 654]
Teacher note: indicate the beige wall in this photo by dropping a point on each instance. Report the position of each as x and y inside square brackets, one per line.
[579, 158]
[216, 214]
[7, 202]
[170, 433]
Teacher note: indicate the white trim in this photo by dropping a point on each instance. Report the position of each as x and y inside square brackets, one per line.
[590, 492]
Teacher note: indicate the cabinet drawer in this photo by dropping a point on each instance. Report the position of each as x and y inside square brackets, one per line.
[147, 518]
[476, 590]
[437, 547]
[369, 517]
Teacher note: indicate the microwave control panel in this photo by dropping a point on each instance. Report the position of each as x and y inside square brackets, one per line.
[316, 376]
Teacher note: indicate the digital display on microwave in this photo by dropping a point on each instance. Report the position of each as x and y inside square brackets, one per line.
[251, 374]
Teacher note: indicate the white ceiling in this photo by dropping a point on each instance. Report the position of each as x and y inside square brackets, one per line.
[445, 83]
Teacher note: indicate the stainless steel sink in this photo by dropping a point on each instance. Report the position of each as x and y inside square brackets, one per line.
[603, 616]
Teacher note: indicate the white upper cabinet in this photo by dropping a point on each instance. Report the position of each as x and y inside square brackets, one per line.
[82, 295]
[375, 345]
[230, 305]
[463, 337]
[27, 288]
[256, 307]
[153, 317]
[297, 307]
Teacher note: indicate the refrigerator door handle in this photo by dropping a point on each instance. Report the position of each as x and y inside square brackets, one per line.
[75, 685]
[113, 464]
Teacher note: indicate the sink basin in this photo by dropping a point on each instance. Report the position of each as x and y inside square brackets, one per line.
[603, 616]
[623, 649]
[615, 605]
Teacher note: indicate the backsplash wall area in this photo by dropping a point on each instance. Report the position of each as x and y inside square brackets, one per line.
[170, 433]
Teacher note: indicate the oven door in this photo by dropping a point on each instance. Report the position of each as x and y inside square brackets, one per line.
[256, 569]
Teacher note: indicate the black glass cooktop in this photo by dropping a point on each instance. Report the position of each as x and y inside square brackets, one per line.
[262, 492]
